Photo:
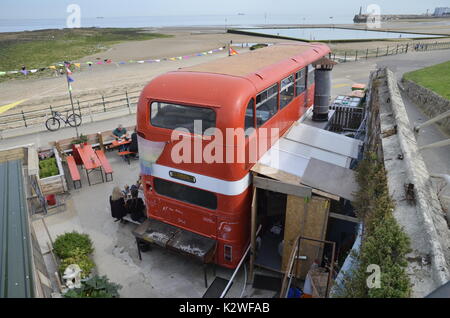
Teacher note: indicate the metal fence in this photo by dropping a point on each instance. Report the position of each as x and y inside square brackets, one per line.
[84, 108]
[356, 55]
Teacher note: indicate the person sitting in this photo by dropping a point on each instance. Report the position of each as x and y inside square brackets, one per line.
[119, 132]
[133, 146]
[117, 202]
[136, 206]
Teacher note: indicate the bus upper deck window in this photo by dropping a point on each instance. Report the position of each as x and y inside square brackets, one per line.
[300, 82]
[249, 117]
[172, 116]
[310, 75]
[266, 104]
[286, 91]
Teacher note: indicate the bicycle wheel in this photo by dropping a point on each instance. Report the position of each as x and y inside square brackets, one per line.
[74, 120]
[52, 124]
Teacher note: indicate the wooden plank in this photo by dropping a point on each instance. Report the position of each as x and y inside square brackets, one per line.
[282, 187]
[275, 174]
[307, 218]
[33, 161]
[12, 154]
[326, 194]
[344, 217]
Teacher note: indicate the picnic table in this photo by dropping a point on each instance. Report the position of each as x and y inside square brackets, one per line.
[120, 142]
[90, 160]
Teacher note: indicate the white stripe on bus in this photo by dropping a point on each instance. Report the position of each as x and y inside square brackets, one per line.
[204, 182]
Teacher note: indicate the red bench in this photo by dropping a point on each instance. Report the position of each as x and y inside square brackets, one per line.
[126, 155]
[73, 169]
[105, 164]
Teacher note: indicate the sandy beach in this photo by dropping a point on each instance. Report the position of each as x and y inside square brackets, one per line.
[108, 79]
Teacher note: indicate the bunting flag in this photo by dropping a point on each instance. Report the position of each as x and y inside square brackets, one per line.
[233, 52]
[79, 65]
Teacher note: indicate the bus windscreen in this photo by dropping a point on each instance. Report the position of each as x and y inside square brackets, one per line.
[176, 117]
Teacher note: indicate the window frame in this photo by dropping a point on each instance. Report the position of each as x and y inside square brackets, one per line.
[254, 115]
[311, 69]
[185, 201]
[297, 79]
[276, 94]
[286, 87]
[183, 105]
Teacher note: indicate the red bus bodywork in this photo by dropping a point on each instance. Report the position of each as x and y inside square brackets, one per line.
[226, 86]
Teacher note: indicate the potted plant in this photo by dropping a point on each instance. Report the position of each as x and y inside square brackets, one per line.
[51, 174]
[80, 140]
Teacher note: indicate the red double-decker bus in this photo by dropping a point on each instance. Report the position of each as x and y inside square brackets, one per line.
[265, 89]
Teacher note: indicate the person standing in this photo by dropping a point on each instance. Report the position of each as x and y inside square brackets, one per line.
[117, 202]
[136, 207]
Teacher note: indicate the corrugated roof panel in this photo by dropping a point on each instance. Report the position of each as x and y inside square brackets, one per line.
[15, 251]
[324, 139]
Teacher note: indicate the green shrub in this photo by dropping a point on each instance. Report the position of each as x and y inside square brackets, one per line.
[82, 139]
[258, 46]
[48, 168]
[95, 287]
[384, 243]
[72, 244]
[82, 260]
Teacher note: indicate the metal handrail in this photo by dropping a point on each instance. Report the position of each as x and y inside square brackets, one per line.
[225, 291]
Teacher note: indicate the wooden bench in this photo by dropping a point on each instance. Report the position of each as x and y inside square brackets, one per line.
[73, 169]
[105, 164]
[129, 219]
[126, 155]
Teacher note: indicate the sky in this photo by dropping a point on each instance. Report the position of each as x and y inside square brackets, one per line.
[35, 9]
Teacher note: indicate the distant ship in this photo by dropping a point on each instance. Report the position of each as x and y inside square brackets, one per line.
[100, 17]
[241, 13]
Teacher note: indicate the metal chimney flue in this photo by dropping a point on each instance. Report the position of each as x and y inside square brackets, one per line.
[322, 91]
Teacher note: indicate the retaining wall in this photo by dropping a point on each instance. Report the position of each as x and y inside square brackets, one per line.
[422, 220]
[432, 104]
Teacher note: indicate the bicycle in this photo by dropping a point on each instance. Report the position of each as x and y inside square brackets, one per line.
[54, 122]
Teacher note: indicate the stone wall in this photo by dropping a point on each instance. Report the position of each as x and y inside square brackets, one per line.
[431, 103]
[423, 219]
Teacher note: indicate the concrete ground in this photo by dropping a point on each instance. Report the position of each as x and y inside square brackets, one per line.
[162, 274]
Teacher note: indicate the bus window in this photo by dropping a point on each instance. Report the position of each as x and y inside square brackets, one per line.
[287, 91]
[310, 75]
[250, 116]
[184, 193]
[300, 82]
[266, 104]
[172, 116]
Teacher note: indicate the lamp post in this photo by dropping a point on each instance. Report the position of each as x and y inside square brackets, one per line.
[69, 87]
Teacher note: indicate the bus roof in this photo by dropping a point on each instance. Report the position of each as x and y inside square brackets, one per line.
[262, 60]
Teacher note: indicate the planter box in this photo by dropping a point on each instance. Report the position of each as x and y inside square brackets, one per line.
[54, 184]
